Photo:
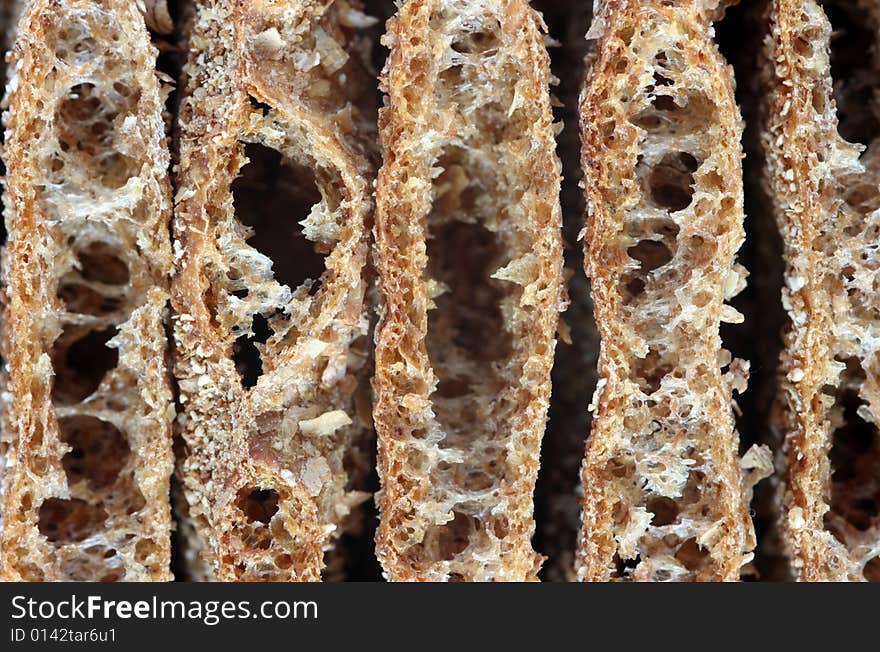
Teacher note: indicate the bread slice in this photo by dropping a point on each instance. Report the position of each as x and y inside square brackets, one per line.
[87, 434]
[664, 491]
[273, 216]
[469, 255]
[822, 144]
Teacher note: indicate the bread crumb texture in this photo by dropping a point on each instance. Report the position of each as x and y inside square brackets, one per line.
[273, 214]
[470, 274]
[87, 407]
[823, 166]
[665, 495]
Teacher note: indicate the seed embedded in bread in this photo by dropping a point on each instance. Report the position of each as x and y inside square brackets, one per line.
[664, 492]
[274, 210]
[469, 255]
[87, 433]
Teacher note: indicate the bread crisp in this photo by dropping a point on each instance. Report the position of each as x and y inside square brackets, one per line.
[664, 493]
[87, 433]
[469, 257]
[823, 165]
[271, 339]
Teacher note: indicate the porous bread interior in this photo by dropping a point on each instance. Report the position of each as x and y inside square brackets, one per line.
[274, 209]
[664, 496]
[823, 154]
[87, 439]
[469, 260]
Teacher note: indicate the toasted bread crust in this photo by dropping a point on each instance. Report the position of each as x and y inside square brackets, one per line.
[664, 497]
[268, 469]
[468, 250]
[87, 431]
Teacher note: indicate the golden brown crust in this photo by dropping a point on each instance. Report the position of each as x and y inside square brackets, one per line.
[268, 468]
[87, 433]
[468, 250]
[824, 191]
[664, 497]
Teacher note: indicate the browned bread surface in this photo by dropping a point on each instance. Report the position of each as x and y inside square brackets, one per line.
[664, 493]
[468, 250]
[87, 436]
[273, 216]
[823, 167]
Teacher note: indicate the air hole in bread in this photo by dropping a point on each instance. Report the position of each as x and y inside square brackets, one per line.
[80, 298]
[621, 467]
[660, 80]
[69, 520]
[80, 361]
[855, 77]
[272, 196]
[632, 286]
[96, 287]
[258, 504]
[246, 354]
[665, 103]
[462, 254]
[657, 242]
[86, 124]
[466, 338]
[446, 541]
[450, 78]
[671, 111]
[651, 255]
[671, 182]
[855, 461]
[100, 263]
[665, 510]
[871, 571]
[261, 107]
[803, 47]
[477, 42]
[691, 555]
[623, 568]
[501, 527]
[469, 478]
[650, 371]
[98, 450]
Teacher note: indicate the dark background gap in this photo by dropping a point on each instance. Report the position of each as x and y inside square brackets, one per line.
[171, 59]
[558, 492]
[358, 548]
[739, 36]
